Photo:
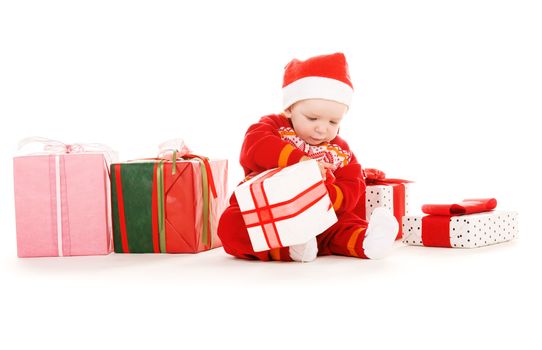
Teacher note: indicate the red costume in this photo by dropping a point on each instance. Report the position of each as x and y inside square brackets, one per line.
[272, 143]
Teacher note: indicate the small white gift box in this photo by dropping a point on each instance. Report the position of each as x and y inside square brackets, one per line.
[464, 231]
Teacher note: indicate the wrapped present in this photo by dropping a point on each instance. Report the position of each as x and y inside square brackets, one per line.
[468, 224]
[62, 199]
[391, 194]
[285, 206]
[170, 204]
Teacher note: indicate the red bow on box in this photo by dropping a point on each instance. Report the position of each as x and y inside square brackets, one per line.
[467, 206]
[436, 225]
[378, 177]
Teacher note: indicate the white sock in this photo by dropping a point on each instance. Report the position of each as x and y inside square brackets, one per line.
[304, 252]
[380, 234]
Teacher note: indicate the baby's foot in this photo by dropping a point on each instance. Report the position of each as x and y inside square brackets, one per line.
[304, 252]
[380, 234]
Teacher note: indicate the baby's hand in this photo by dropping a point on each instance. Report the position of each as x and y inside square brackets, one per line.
[323, 168]
[322, 165]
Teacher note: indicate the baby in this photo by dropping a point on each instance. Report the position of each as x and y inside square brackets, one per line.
[316, 96]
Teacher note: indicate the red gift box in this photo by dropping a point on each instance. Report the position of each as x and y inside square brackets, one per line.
[168, 206]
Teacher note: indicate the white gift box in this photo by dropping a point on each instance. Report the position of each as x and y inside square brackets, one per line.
[285, 206]
[382, 196]
[465, 231]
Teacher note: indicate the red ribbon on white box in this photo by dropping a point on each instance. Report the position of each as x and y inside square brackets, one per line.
[266, 215]
[297, 209]
[436, 225]
[375, 177]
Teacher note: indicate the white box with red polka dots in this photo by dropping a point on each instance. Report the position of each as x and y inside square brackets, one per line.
[466, 231]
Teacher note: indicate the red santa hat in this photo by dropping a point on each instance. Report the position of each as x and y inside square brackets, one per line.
[324, 77]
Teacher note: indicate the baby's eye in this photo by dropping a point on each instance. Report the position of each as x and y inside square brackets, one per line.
[311, 119]
[333, 123]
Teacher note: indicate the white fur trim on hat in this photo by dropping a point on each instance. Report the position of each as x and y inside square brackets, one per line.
[316, 87]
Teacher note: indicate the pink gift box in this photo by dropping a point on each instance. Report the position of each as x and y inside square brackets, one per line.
[62, 205]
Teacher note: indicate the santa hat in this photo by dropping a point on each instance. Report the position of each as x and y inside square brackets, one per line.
[324, 77]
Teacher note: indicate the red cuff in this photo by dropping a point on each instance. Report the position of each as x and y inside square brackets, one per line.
[289, 155]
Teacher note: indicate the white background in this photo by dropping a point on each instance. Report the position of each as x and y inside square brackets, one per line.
[447, 93]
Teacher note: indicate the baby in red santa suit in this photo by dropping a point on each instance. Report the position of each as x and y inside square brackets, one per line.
[316, 96]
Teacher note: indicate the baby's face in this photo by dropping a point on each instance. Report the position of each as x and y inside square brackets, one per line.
[316, 121]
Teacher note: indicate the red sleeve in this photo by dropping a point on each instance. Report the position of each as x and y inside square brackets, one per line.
[347, 189]
[263, 148]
